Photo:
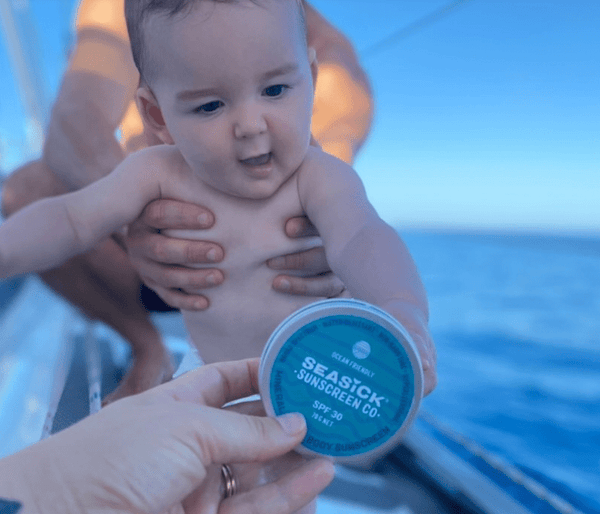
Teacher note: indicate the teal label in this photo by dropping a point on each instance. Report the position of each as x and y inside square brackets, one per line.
[351, 379]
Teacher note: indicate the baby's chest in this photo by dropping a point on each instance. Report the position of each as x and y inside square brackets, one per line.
[250, 231]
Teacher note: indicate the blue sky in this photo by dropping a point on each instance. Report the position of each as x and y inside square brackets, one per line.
[487, 119]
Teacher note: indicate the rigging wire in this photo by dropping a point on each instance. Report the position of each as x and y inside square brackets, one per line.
[412, 28]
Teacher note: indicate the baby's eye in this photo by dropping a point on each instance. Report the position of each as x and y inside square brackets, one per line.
[209, 107]
[276, 90]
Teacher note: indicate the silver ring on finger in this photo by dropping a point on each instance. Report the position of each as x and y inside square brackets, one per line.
[229, 481]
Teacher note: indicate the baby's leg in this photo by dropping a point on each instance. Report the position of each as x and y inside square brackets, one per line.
[101, 283]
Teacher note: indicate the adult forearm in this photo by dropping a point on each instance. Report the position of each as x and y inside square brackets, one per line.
[343, 108]
[81, 146]
[32, 478]
[16, 483]
[96, 91]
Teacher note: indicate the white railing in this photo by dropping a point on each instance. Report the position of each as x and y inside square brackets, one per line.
[36, 348]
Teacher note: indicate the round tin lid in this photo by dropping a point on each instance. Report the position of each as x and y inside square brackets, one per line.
[351, 369]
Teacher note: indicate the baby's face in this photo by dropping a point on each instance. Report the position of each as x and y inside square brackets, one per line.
[234, 85]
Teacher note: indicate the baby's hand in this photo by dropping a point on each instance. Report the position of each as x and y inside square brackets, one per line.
[428, 355]
[414, 319]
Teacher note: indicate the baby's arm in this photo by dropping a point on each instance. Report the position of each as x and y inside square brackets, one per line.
[47, 233]
[364, 251]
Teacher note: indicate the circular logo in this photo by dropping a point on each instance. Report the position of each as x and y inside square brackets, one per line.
[361, 349]
[311, 374]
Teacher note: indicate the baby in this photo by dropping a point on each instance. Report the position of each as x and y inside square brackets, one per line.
[228, 87]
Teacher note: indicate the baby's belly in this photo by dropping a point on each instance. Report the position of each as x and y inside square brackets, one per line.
[243, 313]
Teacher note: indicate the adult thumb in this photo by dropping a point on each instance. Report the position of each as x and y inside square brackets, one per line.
[242, 438]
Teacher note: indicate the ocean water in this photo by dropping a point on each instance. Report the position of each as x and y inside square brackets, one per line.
[516, 320]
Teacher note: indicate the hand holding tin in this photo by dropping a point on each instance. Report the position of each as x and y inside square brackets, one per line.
[162, 451]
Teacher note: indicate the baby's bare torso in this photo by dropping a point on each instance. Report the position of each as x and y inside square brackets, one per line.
[245, 308]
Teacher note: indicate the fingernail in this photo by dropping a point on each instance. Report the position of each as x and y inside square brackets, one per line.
[200, 305]
[211, 255]
[326, 470]
[284, 284]
[426, 364]
[211, 279]
[295, 230]
[292, 423]
[204, 219]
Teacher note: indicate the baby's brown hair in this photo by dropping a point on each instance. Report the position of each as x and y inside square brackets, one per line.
[138, 11]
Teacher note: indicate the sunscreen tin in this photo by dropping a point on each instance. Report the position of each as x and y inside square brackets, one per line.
[351, 369]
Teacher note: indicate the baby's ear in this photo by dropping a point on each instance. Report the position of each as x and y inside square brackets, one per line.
[152, 115]
[314, 65]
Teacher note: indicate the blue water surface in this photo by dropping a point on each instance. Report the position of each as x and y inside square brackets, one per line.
[516, 320]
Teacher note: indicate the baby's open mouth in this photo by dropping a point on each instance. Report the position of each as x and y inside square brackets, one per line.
[259, 160]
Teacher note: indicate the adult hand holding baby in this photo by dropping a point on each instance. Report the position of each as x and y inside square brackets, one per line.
[163, 262]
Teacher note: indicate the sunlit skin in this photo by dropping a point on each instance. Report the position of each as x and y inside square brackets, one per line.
[230, 91]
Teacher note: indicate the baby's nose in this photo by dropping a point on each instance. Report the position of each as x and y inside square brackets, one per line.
[251, 122]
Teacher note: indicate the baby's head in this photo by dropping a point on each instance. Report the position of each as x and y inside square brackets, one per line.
[230, 83]
[138, 12]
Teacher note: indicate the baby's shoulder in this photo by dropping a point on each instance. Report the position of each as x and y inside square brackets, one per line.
[319, 165]
[160, 155]
[157, 161]
[316, 157]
